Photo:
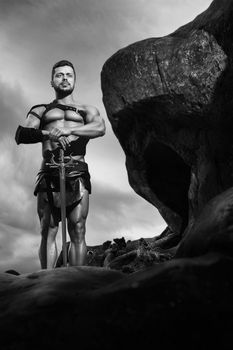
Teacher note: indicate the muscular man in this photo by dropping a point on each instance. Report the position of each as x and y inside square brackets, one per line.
[65, 124]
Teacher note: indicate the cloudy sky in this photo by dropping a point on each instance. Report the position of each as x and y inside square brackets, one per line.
[34, 34]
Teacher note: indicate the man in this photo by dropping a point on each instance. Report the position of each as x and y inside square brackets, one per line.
[65, 124]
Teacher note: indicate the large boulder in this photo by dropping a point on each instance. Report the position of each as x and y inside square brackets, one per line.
[213, 229]
[179, 304]
[169, 101]
[183, 303]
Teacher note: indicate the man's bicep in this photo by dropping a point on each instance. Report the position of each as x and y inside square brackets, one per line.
[32, 122]
[93, 115]
[33, 119]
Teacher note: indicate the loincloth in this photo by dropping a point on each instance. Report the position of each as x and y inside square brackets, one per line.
[77, 180]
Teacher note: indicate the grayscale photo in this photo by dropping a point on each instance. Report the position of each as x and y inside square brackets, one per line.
[116, 198]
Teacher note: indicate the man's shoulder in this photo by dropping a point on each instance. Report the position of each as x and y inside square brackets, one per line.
[39, 108]
[88, 109]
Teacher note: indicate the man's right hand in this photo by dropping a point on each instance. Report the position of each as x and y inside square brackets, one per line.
[54, 134]
[64, 142]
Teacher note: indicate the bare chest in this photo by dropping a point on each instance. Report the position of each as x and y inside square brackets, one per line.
[62, 116]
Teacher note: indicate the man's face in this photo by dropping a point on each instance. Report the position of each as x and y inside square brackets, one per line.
[63, 79]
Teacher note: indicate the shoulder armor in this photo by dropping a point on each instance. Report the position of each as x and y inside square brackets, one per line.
[34, 113]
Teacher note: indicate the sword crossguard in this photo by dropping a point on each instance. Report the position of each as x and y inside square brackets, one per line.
[66, 164]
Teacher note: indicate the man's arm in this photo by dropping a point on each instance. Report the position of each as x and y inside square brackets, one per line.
[30, 132]
[94, 127]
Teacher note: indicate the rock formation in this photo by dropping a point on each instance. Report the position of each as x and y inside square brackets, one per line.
[169, 101]
[126, 257]
[213, 229]
[181, 304]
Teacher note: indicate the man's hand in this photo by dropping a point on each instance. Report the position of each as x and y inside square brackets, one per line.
[65, 132]
[64, 142]
[61, 136]
[54, 134]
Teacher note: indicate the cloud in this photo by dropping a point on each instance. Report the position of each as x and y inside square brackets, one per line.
[87, 32]
[17, 177]
[12, 107]
[18, 250]
[15, 204]
[16, 163]
[114, 213]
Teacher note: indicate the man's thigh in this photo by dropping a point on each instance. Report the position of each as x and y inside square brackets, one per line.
[80, 212]
[47, 218]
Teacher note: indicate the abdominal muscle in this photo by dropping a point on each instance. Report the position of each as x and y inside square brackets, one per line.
[49, 145]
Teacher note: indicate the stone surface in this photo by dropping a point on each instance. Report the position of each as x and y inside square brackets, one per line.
[169, 101]
[130, 256]
[180, 304]
[183, 303]
[213, 229]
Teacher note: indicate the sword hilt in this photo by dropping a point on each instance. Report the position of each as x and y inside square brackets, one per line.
[61, 161]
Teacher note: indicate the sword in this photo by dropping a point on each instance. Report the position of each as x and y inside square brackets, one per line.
[61, 165]
[62, 176]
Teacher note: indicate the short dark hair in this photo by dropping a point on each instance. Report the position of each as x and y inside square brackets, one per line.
[62, 63]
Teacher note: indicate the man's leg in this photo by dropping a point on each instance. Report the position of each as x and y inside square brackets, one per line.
[49, 228]
[77, 229]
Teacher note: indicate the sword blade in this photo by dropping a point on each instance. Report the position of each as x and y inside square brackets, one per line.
[63, 205]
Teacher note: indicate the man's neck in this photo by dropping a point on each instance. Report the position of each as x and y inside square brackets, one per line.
[65, 100]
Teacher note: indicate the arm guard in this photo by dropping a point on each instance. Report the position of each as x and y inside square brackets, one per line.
[28, 135]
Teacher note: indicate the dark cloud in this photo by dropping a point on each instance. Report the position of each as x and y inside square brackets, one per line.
[23, 218]
[88, 32]
[10, 6]
[15, 246]
[17, 177]
[15, 180]
[12, 107]
[18, 250]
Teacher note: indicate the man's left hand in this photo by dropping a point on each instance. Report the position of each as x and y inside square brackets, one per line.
[65, 132]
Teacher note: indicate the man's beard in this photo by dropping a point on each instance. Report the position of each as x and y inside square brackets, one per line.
[59, 90]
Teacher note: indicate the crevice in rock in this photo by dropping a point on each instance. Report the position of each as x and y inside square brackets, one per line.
[168, 177]
[157, 171]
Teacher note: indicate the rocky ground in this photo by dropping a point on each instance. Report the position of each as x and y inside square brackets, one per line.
[131, 256]
[182, 303]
